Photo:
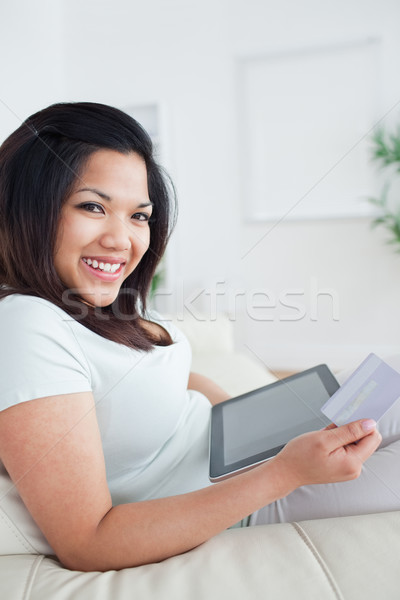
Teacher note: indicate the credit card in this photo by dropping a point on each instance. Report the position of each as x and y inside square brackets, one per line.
[367, 394]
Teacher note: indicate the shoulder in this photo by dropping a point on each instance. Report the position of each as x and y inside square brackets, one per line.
[21, 308]
[39, 355]
[28, 316]
[28, 322]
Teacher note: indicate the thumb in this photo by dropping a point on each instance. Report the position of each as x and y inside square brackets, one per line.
[351, 432]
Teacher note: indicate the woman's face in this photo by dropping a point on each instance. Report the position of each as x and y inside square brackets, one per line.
[104, 227]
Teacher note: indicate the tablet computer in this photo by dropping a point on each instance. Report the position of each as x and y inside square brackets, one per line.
[254, 427]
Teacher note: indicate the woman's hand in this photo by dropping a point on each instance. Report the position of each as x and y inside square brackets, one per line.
[330, 455]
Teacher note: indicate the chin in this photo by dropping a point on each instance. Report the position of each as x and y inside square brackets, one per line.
[104, 302]
[99, 301]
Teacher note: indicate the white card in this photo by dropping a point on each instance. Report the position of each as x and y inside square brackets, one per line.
[367, 394]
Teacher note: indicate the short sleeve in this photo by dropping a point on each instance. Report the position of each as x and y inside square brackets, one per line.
[39, 354]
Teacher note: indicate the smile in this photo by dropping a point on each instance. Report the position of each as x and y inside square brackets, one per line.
[106, 267]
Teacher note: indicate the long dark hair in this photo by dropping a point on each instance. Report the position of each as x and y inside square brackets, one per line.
[39, 164]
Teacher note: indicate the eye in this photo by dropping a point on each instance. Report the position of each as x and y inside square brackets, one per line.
[141, 216]
[91, 207]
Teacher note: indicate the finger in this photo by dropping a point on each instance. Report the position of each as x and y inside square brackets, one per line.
[366, 446]
[350, 433]
[330, 426]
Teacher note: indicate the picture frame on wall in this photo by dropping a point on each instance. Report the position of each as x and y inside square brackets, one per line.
[306, 117]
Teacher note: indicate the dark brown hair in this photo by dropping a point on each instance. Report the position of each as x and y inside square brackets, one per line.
[39, 164]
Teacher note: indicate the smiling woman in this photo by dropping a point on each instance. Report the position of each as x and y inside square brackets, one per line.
[104, 431]
[104, 228]
[93, 186]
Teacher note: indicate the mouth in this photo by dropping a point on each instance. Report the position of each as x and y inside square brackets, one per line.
[107, 270]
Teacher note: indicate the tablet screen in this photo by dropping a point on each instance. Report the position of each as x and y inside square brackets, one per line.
[290, 409]
[255, 426]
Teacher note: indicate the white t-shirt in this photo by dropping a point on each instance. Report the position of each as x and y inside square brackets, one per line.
[154, 431]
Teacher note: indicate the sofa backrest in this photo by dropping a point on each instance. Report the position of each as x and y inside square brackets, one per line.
[19, 533]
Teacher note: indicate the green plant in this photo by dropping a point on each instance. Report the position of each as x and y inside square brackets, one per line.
[386, 150]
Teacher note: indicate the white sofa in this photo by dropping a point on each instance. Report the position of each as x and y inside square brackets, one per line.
[352, 558]
[347, 558]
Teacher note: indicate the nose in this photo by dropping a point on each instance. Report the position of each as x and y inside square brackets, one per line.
[116, 234]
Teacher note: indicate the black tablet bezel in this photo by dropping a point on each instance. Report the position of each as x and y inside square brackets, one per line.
[218, 469]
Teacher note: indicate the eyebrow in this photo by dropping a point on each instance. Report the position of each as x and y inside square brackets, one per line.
[108, 198]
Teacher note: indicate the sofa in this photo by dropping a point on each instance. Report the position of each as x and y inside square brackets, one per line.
[347, 558]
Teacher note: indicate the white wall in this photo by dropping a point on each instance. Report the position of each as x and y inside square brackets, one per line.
[183, 54]
[32, 59]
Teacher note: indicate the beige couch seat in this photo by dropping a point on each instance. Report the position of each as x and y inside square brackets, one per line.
[351, 558]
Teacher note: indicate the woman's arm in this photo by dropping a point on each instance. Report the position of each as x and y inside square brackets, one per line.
[52, 450]
[206, 386]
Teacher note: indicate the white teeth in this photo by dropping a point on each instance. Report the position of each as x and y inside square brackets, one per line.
[106, 267]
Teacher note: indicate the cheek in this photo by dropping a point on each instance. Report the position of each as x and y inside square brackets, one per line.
[141, 240]
[74, 233]
[62, 267]
[70, 239]
[78, 230]
[148, 238]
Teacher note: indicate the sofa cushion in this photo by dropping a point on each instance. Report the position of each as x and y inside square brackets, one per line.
[332, 559]
[19, 533]
[205, 334]
[236, 373]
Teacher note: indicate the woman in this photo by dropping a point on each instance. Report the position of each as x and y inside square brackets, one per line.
[102, 430]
